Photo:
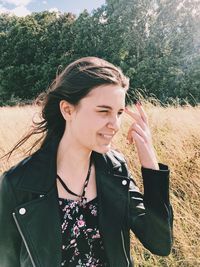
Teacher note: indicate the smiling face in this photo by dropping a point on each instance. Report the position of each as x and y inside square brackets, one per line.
[97, 118]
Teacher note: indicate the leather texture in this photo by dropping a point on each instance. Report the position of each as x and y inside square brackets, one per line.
[30, 230]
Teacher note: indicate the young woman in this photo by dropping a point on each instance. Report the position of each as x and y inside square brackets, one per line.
[73, 201]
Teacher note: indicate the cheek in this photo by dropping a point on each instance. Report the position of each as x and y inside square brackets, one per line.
[86, 126]
[94, 122]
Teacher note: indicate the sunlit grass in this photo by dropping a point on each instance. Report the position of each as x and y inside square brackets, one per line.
[176, 138]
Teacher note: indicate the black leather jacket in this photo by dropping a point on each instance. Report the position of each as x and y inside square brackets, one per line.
[30, 231]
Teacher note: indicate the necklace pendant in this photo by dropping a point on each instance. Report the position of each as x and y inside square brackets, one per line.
[84, 200]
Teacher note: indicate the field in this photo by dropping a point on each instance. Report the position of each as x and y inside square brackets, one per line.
[176, 136]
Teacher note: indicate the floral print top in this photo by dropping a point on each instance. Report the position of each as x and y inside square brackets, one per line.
[81, 240]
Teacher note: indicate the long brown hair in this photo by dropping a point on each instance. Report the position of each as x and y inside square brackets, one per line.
[72, 84]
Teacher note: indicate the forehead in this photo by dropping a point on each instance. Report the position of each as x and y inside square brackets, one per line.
[107, 94]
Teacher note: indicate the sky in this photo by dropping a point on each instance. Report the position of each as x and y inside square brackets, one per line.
[25, 7]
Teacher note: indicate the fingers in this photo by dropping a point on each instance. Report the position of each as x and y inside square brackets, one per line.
[130, 137]
[142, 112]
[137, 117]
[136, 132]
[141, 118]
[139, 130]
[137, 138]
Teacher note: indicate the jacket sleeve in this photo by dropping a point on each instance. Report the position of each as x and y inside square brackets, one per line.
[151, 215]
[9, 236]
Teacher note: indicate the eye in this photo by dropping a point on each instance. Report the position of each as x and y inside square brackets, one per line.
[103, 111]
[120, 113]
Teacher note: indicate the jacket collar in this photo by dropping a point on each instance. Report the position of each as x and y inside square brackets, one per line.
[38, 172]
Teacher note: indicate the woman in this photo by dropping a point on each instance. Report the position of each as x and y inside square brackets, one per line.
[73, 201]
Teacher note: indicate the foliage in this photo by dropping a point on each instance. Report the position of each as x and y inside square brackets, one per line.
[156, 43]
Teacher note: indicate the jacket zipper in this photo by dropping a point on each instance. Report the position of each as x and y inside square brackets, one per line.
[128, 263]
[24, 240]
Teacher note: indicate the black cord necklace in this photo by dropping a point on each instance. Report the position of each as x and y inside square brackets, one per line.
[85, 184]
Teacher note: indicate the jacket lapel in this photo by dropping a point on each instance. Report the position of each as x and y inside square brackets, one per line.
[112, 196]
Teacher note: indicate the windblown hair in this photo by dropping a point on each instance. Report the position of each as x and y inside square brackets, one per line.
[72, 84]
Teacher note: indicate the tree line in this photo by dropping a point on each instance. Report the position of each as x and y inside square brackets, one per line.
[155, 43]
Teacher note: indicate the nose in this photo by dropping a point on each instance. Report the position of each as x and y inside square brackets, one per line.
[114, 123]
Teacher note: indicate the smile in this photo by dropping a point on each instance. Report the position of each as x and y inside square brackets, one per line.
[106, 136]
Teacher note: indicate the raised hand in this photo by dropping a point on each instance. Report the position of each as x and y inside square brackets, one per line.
[140, 134]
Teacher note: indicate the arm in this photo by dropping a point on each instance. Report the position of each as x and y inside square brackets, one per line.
[9, 236]
[151, 214]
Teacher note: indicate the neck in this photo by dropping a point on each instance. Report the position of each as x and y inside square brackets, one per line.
[71, 158]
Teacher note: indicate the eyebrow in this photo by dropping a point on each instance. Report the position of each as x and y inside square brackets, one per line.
[108, 107]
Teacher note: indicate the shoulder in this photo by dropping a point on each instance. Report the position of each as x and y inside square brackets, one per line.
[117, 162]
[13, 175]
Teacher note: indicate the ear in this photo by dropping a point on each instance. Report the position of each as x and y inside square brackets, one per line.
[66, 109]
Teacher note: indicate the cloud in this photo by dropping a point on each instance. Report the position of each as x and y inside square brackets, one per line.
[3, 10]
[17, 2]
[20, 11]
[53, 9]
[44, 2]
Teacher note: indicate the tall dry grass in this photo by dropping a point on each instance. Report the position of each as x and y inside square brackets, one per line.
[176, 136]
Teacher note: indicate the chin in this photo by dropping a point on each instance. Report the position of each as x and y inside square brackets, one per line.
[103, 149]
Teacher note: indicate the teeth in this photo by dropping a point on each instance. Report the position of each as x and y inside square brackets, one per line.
[106, 136]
